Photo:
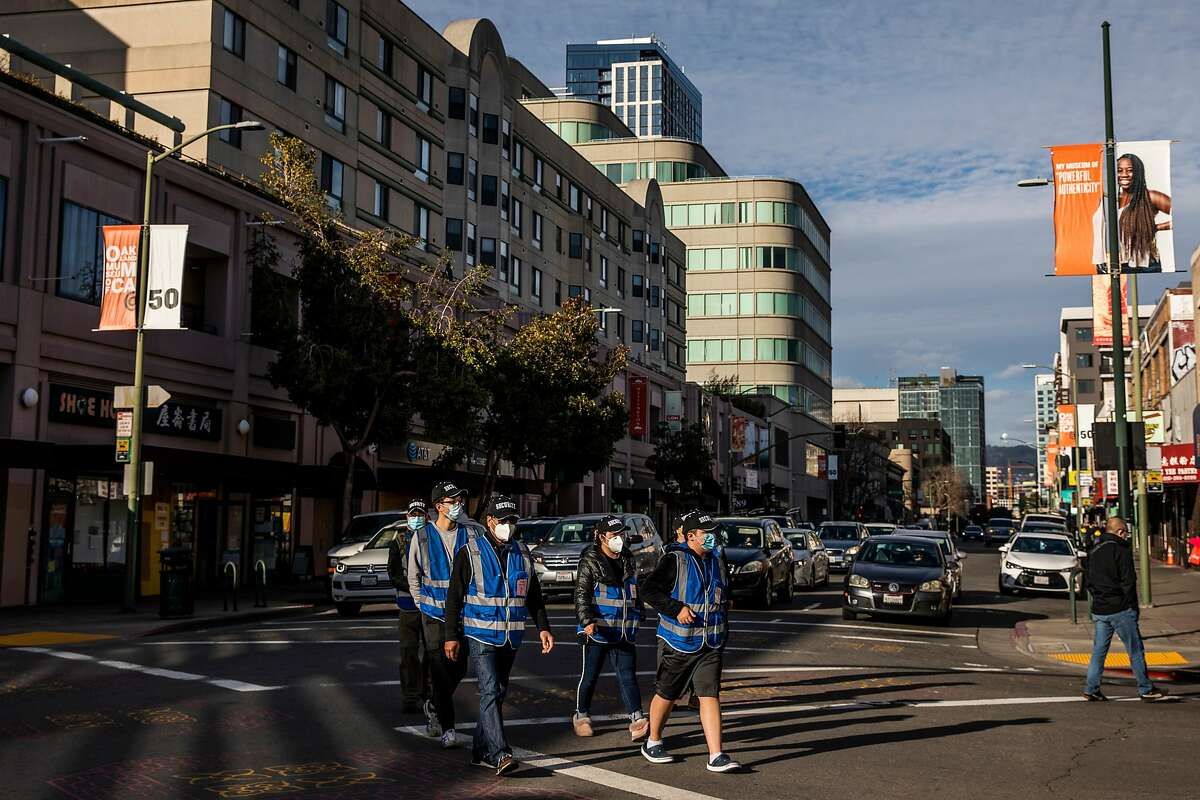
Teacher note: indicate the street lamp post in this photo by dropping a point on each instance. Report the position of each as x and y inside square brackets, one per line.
[134, 500]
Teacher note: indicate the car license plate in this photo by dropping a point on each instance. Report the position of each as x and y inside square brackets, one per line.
[893, 599]
[1041, 580]
[564, 577]
[368, 580]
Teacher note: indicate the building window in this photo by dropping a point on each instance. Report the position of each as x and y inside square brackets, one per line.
[517, 213]
[1083, 360]
[620, 327]
[558, 293]
[81, 252]
[505, 137]
[538, 167]
[384, 55]
[233, 38]
[472, 177]
[1083, 334]
[575, 245]
[424, 150]
[537, 230]
[654, 295]
[285, 67]
[383, 128]
[518, 158]
[491, 129]
[535, 284]
[620, 281]
[487, 194]
[635, 331]
[337, 26]
[473, 115]
[514, 276]
[457, 103]
[487, 252]
[655, 338]
[639, 238]
[573, 197]
[454, 168]
[454, 234]
[332, 174]
[603, 222]
[1085, 386]
[557, 239]
[424, 88]
[380, 201]
[504, 200]
[638, 286]
[421, 226]
[502, 267]
[230, 113]
[335, 104]
[603, 272]
[470, 244]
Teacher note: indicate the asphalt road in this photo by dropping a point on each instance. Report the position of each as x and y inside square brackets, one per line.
[308, 707]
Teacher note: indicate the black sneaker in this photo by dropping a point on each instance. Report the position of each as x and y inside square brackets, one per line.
[657, 754]
[482, 762]
[506, 764]
[1095, 697]
[722, 763]
[1153, 695]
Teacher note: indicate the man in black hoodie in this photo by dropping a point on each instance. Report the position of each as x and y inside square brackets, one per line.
[1113, 585]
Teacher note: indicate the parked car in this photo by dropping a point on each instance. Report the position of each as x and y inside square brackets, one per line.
[801, 525]
[810, 562]
[899, 575]
[998, 531]
[880, 528]
[1041, 518]
[974, 533]
[557, 558]
[782, 520]
[361, 530]
[535, 530]
[1040, 562]
[759, 559]
[954, 557]
[838, 537]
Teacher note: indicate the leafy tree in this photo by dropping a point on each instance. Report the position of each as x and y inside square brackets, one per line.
[683, 458]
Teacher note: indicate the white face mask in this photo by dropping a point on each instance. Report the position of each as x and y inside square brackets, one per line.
[503, 531]
[616, 544]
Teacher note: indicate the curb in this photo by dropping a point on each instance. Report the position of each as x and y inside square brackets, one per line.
[1020, 641]
[236, 618]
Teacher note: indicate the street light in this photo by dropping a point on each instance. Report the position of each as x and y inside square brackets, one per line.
[1029, 183]
[134, 500]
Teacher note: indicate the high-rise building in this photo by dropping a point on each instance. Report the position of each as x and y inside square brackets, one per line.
[958, 401]
[1045, 417]
[640, 82]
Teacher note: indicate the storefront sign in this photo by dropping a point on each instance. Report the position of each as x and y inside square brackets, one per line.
[82, 405]
[674, 409]
[124, 436]
[1179, 464]
[1154, 481]
[177, 418]
[751, 481]
[637, 406]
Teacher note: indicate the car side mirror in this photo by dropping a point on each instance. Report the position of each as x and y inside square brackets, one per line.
[1003, 549]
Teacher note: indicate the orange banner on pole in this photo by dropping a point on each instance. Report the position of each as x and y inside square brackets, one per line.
[1066, 426]
[1078, 192]
[119, 304]
[1102, 321]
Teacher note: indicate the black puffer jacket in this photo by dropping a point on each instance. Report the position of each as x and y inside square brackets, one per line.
[595, 568]
[1110, 576]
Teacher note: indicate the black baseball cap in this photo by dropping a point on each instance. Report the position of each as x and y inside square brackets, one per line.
[609, 523]
[416, 507]
[445, 489]
[698, 520]
[502, 507]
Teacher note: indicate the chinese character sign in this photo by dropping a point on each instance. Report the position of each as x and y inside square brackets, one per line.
[1179, 464]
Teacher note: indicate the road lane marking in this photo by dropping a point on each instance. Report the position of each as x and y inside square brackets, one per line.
[157, 672]
[639, 787]
[811, 607]
[925, 631]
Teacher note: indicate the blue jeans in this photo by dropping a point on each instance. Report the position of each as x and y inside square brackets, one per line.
[624, 661]
[492, 667]
[1125, 625]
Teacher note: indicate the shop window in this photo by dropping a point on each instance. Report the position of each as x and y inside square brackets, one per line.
[81, 252]
[203, 288]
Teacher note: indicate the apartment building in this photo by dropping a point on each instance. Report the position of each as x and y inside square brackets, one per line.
[958, 402]
[1045, 417]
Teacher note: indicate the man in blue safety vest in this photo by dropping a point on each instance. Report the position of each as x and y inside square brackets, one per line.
[493, 592]
[414, 665]
[430, 556]
[609, 613]
[690, 590]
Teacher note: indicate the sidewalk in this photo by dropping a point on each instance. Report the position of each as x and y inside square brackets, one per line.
[1170, 630]
[41, 626]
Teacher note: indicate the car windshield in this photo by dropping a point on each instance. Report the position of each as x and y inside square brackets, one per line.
[742, 536]
[971, 528]
[905, 554]
[1000, 523]
[361, 529]
[799, 540]
[573, 531]
[1044, 546]
[838, 532]
[534, 531]
[384, 538]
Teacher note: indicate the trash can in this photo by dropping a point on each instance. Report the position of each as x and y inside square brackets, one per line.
[175, 586]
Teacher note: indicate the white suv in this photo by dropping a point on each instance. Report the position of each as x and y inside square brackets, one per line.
[361, 530]
[1040, 562]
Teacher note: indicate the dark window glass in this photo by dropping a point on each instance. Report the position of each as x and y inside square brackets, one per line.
[230, 114]
[1085, 386]
[454, 168]
[81, 252]
[337, 26]
[487, 252]
[638, 238]
[575, 245]
[488, 190]
[654, 296]
[233, 38]
[638, 282]
[491, 128]
[285, 67]
[454, 234]
[635, 331]
[457, 107]
[384, 55]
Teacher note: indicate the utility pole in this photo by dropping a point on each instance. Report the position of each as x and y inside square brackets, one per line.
[1145, 600]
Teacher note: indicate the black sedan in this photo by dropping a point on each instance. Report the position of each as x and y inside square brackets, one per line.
[898, 575]
[759, 559]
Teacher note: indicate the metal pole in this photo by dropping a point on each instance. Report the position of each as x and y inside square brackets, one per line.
[1145, 599]
[1078, 495]
[1114, 271]
[134, 500]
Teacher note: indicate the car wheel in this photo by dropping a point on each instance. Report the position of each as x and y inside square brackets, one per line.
[766, 594]
[348, 609]
[848, 614]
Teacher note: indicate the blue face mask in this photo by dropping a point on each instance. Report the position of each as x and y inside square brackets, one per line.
[415, 523]
[454, 511]
[710, 541]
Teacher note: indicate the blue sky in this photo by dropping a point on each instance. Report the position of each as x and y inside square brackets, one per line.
[910, 124]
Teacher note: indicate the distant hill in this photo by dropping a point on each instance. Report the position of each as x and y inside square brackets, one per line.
[998, 456]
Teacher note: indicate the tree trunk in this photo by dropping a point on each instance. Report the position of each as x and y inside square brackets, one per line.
[491, 470]
[348, 489]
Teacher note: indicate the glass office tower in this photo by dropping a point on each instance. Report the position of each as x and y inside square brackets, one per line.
[956, 400]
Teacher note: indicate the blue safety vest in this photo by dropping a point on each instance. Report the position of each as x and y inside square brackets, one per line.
[435, 564]
[620, 615]
[700, 584]
[494, 609]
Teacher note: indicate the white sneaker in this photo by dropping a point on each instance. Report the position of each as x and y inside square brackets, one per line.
[449, 739]
[433, 728]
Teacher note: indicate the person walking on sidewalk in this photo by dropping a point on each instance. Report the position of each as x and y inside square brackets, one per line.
[1113, 584]
[430, 556]
[690, 590]
[493, 592]
[414, 664]
[609, 612]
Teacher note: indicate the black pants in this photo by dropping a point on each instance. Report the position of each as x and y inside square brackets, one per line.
[444, 675]
[414, 662]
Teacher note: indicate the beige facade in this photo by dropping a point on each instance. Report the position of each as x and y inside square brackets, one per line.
[866, 405]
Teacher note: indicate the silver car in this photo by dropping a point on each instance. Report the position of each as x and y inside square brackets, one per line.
[557, 558]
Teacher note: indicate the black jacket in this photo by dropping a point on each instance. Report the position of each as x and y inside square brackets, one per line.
[659, 585]
[460, 578]
[595, 567]
[1110, 575]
